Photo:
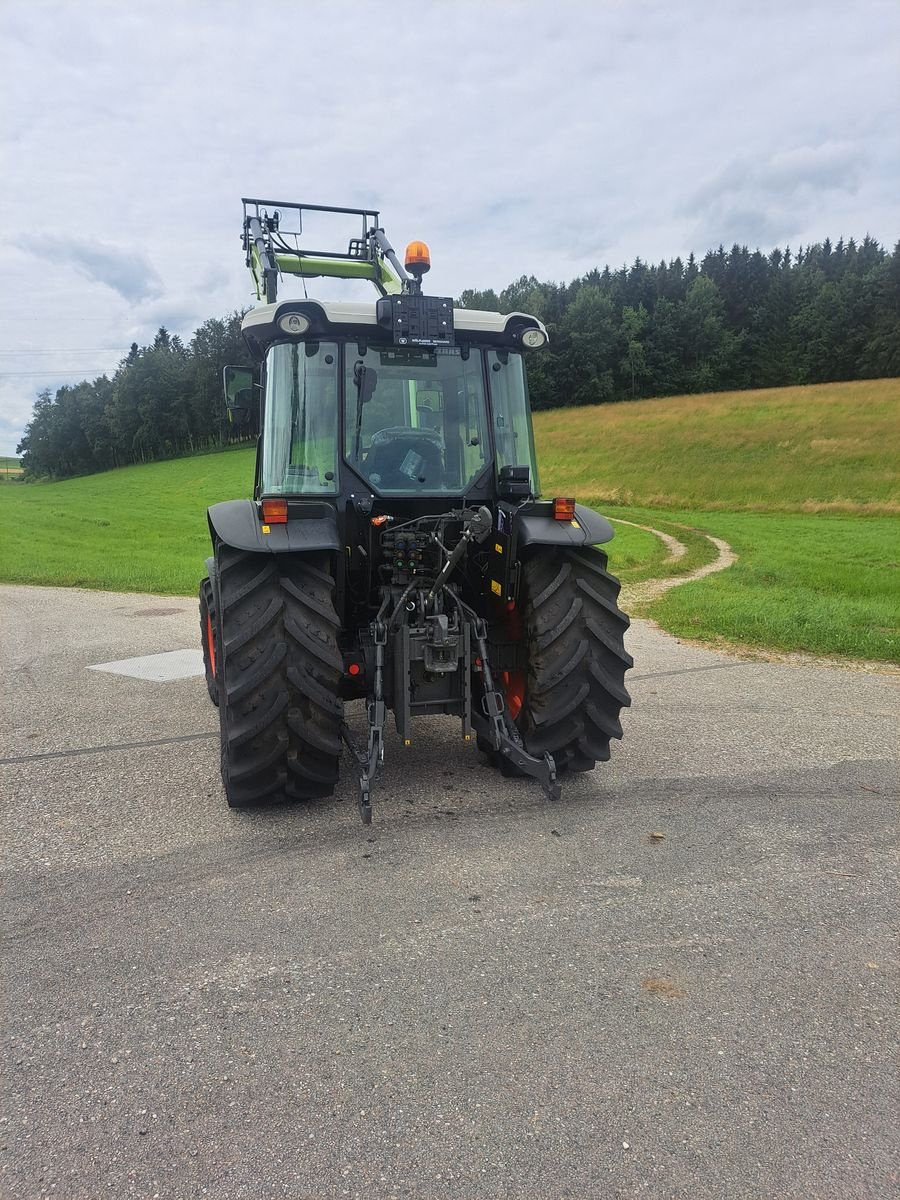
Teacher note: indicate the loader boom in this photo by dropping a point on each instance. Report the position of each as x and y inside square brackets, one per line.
[269, 254]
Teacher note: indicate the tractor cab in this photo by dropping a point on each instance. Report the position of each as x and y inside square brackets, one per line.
[342, 403]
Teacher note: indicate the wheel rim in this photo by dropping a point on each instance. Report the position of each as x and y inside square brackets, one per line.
[514, 690]
[513, 681]
[211, 645]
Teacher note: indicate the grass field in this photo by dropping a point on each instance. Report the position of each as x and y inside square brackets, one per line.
[829, 448]
[822, 584]
[10, 468]
[138, 529]
[801, 481]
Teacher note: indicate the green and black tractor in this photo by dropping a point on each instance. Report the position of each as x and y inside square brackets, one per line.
[397, 548]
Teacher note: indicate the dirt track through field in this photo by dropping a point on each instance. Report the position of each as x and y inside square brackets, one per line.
[650, 589]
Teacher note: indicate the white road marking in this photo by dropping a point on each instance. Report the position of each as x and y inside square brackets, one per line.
[157, 668]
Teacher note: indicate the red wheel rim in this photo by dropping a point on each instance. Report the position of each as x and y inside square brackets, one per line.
[514, 689]
[513, 681]
[210, 644]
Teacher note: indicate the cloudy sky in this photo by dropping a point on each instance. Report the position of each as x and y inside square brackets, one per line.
[515, 136]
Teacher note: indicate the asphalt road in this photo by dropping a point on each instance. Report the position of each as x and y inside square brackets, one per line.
[482, 995]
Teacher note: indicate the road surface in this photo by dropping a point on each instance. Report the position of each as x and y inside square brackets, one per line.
[679, 981]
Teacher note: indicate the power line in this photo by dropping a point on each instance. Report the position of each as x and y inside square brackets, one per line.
[45, 374]
[40, 317]
[61, 350]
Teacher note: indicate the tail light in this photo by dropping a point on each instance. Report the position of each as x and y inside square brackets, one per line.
[274, 512]
[563, 509]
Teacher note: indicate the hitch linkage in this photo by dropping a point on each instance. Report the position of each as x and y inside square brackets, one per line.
[494, 723]
[370, 759]
[500, 730]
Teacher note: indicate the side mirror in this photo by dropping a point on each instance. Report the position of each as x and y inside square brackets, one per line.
[238, 386]
[366, 380]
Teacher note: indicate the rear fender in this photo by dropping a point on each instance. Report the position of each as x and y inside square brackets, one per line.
[538, 528]
[237, 524]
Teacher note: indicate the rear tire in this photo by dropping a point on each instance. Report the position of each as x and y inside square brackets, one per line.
[279, 674]
[573, 629]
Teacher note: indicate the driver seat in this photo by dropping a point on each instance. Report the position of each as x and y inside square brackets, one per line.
[407, 458]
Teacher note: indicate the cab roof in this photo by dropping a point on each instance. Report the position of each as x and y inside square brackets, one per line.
[343, 318]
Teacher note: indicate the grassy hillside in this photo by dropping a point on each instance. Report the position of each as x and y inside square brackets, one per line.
[802, 482]
[833, 447]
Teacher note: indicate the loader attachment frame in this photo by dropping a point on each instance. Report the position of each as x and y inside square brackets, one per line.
[269, 255]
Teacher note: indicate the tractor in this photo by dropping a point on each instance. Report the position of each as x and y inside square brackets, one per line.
[397, 548]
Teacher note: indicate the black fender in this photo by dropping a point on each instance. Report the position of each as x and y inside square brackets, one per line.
[237, 524]
[536, 526]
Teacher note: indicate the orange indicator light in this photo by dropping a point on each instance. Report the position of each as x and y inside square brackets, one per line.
[563, 508]
[275, 512]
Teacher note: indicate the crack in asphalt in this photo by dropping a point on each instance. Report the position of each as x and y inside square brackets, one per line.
[692, 670]
[169, 741]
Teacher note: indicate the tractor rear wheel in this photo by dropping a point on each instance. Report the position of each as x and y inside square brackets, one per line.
[279, 672]
[567, 699]
[208, 636]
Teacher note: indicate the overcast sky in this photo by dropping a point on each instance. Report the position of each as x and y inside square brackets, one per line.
[516, 137]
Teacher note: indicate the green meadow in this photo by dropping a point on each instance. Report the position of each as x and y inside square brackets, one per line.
[138, 529]
[832, 447]
[802, 482]
[818, 583]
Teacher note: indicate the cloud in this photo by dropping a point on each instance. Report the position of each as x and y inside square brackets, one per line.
[832, 166]
[784, 175]
[16, 404]
[766, 200]
[125, 270]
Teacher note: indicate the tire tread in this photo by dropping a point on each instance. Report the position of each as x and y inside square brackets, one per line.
[577, 658]
[280, 674]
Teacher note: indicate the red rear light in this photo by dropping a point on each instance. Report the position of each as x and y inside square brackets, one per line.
[354, 669]
[274, 512]
[563, 509]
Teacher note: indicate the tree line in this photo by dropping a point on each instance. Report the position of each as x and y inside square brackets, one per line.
[164, 400]
[736, 319]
